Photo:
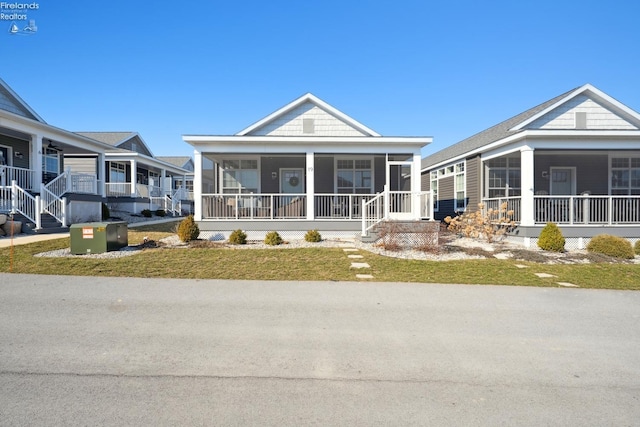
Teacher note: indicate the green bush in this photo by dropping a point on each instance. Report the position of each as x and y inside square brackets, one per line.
[551, 238]
[636, 247]
[238, 237]
[161, 212]
[146, 213]
[106, 213]
[312, 236]
[188, 229]
[273, 238]
[614, 246]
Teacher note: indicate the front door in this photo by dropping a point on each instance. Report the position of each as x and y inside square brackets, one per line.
[399, 184]
[563, 181]
[292, 181]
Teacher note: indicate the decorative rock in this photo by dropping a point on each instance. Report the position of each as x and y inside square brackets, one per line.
[12, 228]
[3, 219]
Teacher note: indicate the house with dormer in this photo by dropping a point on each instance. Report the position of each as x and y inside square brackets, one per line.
[573, 160]
[305, 166]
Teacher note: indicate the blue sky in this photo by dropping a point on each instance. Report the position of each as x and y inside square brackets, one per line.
[403, 68]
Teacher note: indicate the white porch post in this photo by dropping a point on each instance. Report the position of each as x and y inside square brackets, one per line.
[163, 184]
[311, 185]
[102, 175]
[134, 177]
[526, 186]
[416, 186]
[36, 162]
[197, 185]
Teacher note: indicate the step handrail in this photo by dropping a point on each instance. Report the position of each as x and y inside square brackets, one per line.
[25, 204]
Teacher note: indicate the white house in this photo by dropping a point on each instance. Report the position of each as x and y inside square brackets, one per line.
[305, 166]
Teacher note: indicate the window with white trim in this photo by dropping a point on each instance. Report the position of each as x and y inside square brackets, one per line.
[625, 176]
[240, 176]
[117, 172]
[459, 183]
[50, 161]
[433, 186]
[354, 176]
[503, 177]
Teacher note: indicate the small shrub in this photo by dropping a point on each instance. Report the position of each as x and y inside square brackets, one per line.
[188, 230]
[161, 212]
[238, 237]
[551, 238]
[614, 246]
[313, 236]
[273, 238]
[106, 213]
[636, 247]
[146, 213]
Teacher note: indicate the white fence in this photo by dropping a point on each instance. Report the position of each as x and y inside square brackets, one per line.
[575, 210]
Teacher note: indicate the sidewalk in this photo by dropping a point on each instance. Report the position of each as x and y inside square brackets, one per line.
[24, 239]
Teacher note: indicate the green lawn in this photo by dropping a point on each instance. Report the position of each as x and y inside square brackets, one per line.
[306, 264]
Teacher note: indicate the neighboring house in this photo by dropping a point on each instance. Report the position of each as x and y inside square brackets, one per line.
[573, 160]
[135, 178]
[37, 182]
[305, 166]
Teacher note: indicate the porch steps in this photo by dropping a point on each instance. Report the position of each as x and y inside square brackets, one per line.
[49, 225]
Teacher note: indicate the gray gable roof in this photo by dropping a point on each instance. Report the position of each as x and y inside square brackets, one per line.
[11, 102]
[111, 138]
[494, 133]
[180, 161]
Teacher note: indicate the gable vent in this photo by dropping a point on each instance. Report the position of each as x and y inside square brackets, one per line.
[581, 120]
[308, 126]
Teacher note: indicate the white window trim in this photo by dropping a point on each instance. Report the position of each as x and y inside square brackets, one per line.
[353, 157]
[221, 170]
[464, 187]
[620, 155]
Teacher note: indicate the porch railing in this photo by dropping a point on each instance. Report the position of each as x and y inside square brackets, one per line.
[82, 183]
[24, 178]
[575, 210]
[374, 213]
[17, 199]
[118, 189]
[495, 205]
[254, 206]
[587, 209]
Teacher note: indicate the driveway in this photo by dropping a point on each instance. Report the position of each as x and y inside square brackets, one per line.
[114, 351]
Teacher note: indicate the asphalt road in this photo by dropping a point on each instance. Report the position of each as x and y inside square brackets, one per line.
[114, 351]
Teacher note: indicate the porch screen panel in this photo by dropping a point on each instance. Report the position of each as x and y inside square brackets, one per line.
[625, 176]
[354, 176]
[503, 173]
[240, 176]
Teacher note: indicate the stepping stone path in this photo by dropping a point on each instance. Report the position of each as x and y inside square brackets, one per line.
[544, 275]
[357, 265]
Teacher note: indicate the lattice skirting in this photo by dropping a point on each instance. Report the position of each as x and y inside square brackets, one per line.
[570, 243]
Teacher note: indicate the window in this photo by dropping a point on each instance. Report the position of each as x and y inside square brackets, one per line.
[50, 161]
[117, 172]
[240, 176]
[461, 202]
[434, 190]
[625, 176]
[354, 176]
[503, 177]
